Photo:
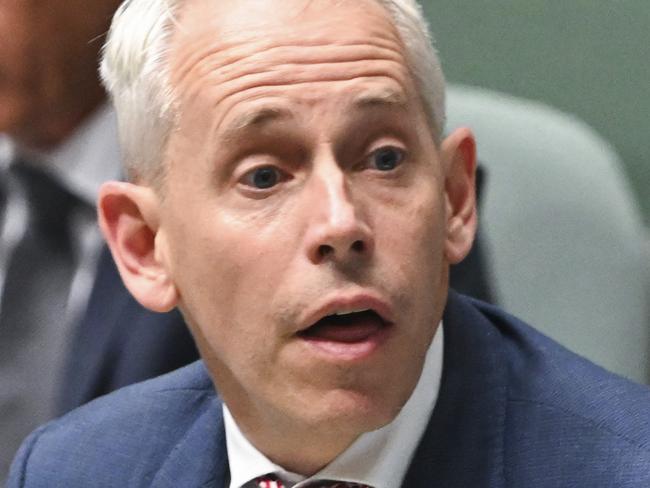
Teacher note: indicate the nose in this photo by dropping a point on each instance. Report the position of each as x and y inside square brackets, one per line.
[338, 229]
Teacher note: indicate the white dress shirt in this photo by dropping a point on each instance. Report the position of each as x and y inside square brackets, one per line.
[379, 458]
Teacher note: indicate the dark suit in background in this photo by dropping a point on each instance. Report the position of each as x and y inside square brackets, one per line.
[118, 342]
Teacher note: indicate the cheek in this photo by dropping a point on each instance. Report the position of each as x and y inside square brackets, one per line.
[414, 240]
[205, 269]
[416, 230]
[226, 271]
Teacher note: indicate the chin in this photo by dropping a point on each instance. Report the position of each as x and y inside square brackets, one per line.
[352, 411]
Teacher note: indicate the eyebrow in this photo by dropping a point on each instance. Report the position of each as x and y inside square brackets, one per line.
[254, 119]
[257, 119]
[384, 99]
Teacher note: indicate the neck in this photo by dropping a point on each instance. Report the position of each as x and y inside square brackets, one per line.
[317, 447]
[297, 446]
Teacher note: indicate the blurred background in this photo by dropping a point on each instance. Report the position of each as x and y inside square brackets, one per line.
[590, 58]
[558, 95]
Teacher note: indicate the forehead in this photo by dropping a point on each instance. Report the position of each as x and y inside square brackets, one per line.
[234, 49]
[300, 19]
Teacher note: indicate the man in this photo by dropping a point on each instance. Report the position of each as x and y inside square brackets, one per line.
[290, 192]
[61, 343]
[58, 144]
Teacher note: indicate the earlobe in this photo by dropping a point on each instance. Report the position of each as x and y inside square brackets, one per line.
[459, 161]
[129, 219]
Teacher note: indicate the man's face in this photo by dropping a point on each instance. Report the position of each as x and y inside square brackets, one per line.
[303, 182]
[48, 65]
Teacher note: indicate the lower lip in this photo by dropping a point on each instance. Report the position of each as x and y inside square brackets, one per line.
[348, 351]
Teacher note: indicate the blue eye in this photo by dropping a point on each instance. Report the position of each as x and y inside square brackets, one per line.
[387, 158]
[263, 178]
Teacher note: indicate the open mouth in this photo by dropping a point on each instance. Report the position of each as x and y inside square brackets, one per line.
[346, 327]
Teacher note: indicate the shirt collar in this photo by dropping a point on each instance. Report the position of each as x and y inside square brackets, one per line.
[85, 160]
[379, 458]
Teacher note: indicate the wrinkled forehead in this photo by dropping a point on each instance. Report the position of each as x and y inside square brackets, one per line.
[225, 55]
[227, 18]
[239, 28]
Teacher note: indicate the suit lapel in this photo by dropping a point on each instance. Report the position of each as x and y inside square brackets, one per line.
[463, 443]
[200, 459]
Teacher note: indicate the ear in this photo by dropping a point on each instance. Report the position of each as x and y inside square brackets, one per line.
[459, 161]
[129, 219]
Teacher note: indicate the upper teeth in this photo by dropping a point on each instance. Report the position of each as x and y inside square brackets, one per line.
[349, 311]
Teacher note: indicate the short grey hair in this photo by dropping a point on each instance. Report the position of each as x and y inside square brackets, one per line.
[135, 71]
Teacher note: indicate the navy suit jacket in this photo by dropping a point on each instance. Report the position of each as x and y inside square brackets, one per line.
[515, 409]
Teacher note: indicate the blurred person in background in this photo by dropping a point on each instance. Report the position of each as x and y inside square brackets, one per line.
[60, 343]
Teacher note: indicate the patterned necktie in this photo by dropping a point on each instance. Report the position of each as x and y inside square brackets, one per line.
[272, 481]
